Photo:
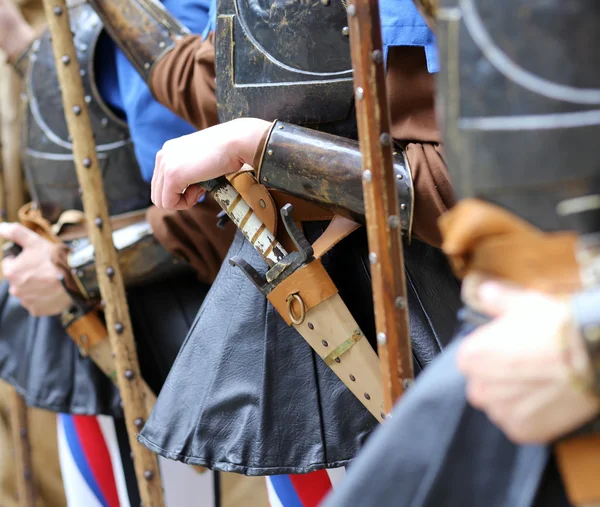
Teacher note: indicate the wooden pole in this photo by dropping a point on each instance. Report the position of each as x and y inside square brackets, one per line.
[110, 280]
[381, 200]
[18, 409]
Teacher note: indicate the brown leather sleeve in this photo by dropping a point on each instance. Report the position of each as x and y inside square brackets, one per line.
[184, 81]
[193, 235]
[411, 90]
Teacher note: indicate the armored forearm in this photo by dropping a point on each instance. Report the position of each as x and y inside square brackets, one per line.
[326, 169]
[143, 29]
[141, 257]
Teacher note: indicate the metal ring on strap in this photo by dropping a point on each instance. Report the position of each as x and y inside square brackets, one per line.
[296, 320]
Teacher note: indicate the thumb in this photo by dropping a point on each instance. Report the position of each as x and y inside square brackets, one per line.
[18, 233]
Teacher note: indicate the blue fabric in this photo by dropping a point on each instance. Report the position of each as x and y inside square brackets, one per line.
[79, 456]
[150, 123]
[285, 491]
[403, 25]
[212, 19]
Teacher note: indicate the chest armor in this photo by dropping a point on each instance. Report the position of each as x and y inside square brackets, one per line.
[286, 60]
[519, 92]
[47, 147]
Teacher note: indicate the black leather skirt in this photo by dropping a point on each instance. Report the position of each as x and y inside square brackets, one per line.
[45, 366]
[248, 395]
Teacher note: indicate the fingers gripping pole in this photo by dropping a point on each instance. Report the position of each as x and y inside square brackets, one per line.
[118, 322]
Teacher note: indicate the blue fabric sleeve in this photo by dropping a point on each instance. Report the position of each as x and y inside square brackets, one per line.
[150, 123]
[403, 25]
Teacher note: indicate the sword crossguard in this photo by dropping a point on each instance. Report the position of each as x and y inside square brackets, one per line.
[286, 266]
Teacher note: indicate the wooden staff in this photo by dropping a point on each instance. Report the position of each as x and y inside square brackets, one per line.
[110, 280]
[381, 200]
[18, 409]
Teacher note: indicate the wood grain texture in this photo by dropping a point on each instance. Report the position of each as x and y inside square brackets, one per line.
[118, 322]
[20, 434]
[381, 200]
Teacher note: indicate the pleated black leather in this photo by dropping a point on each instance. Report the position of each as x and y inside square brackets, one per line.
[247, 394]
[45, 366]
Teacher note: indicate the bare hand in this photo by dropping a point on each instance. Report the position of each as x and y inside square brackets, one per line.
[519, 368]
[15, 33]
[201, 156]
[32, 276]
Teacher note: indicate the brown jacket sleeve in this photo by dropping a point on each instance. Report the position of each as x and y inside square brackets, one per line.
[194, 236]
[184, 81]
[411, 90]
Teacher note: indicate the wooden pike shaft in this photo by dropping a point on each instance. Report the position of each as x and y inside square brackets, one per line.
[20, 433]
[381, 200]
[18, 409]
[109, 275]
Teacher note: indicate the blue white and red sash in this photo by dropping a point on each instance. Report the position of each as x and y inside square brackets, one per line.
[306, 490]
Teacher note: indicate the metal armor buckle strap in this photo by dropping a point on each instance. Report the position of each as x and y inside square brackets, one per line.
[263, 72]
[48, 158]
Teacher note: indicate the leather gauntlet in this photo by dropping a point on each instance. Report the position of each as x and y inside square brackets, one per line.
[326, 169]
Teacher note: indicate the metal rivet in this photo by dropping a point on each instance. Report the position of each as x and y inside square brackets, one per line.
[394, 153]
[311, 325]
[76, 110]
[265, 179]
[262, 203]
[270, 152]
[394, 221]
[98, 222]
[373, 258]
[162, 44]
[403, 206]
[360, 93]
[353, 378]
[377, 56]
[83, 47]
[385, 139]
[57, 10]
[407, 382]
[82, 72]
[146, 66]
[337, 360]
[119, 328]
[367, 396]
[280, 127]
[399, 176]
[367, 176]
[104, 122]
[400, 303]
[325, 344]
[66, 59]
[87, 162]
[80, 273]
[381, 338]
[139, 422]
[346, 31]
[148, 475]
[129, 374]
[325, 2]
[110, 272]
[87, 99]
[382, 415]
[351, 10]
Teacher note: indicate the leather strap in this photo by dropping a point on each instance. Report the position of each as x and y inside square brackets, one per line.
[87, 331]
[266, 204]
[32, 218]
[301, 291]
[578, 460]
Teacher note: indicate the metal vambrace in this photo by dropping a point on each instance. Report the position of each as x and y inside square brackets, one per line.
[143, 29]
[326, 169]
[141, 257]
